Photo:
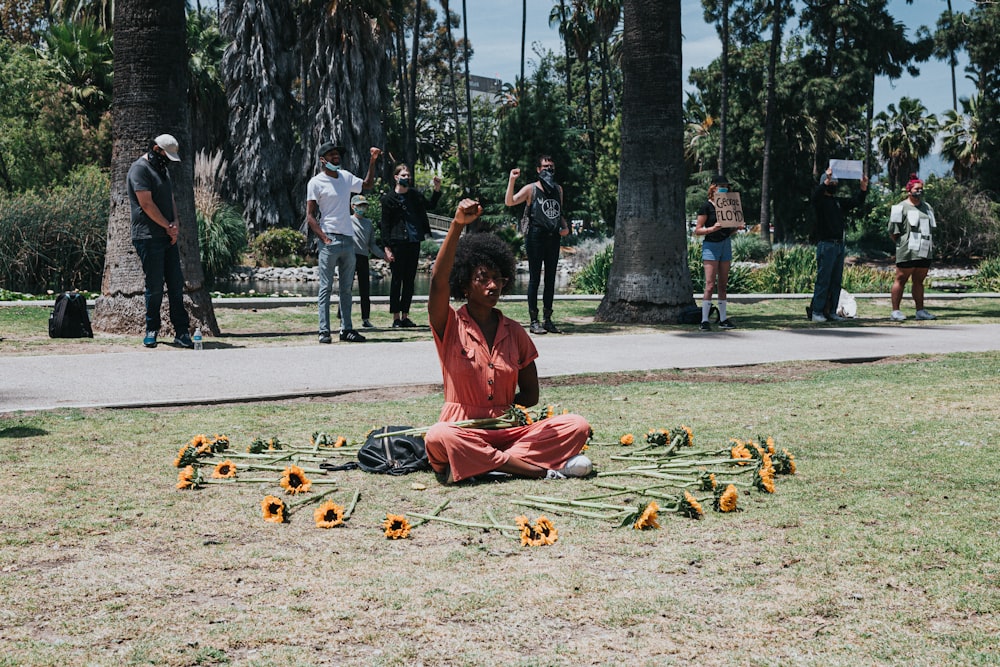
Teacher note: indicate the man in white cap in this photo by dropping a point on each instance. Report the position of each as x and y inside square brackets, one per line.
[365, 246]
[154, 235]
[328, 212]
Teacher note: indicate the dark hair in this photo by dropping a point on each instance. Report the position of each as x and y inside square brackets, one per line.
[475, 250]
[541, 158]
[400, 167]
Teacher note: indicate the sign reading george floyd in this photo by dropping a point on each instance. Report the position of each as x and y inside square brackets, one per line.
[729, 209]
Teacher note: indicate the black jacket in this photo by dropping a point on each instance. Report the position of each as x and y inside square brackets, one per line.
[393, 223]
[830, 212]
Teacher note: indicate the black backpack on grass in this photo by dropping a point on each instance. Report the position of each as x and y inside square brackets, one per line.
[69, 318]
[393, 455]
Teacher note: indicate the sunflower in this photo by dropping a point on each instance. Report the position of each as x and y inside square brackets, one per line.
[740, 451]
[186, 456]
[187, 478]
[656, 437]
[784, 463]
[220, 443]
[727, 499]
[690, 435]
[706, 481]
[396, 527]
[341, 441]
[294, 480]
[546, 530]
[519, 415]
[224, 470]
[763, 479]
[769, 445]
[541, 534]
[328, 515]
[690, 507]
[549, 411]
[647, 519]
[274, 509]
[626, 439]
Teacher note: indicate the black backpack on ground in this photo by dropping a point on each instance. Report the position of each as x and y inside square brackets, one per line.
[394, 455]
[69, 318]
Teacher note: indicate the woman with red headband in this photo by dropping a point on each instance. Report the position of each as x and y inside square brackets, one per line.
[910, 225]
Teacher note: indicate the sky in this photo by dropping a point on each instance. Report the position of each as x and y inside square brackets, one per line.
[495, 33]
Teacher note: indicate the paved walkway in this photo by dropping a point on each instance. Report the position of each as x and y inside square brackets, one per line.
[168, 376]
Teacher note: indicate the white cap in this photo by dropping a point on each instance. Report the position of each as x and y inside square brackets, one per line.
[169, 146]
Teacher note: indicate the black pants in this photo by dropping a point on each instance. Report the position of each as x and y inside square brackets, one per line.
[404, 272]
[542, 249]
[363, 272]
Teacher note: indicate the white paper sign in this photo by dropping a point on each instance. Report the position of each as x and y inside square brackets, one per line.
[847, 169]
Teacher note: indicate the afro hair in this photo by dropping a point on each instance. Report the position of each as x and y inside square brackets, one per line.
[482, 249]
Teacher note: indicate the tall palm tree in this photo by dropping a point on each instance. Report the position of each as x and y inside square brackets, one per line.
[445, 4]
[649, 279]
[770, 110]
[607, 15]
[559, 19]
[468, 88]
[150, 89]
[904, 137]
[960, 140]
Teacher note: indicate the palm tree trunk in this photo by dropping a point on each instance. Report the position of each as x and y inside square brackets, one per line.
[453, 88]
[150, 78]
[724, 99]
[649, 279]
[468, 85]
[411, 139]
[769, 113]
[524, 34]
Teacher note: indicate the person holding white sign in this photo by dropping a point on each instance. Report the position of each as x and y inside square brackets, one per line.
[910, 225]
[829, 237]
[716, 253]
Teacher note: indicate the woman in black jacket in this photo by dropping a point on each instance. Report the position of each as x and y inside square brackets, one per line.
[404, 225]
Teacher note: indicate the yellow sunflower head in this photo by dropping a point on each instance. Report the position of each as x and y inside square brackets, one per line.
[541, 534]
[224, 470]
[340, 442]
[690, 507]
[764, 479]
[188, 478]
[627, 439]
[727, 499]
[740, 451]
[690, 435]
[220, 443]
[328, 514]
[706, 481]
[294, 480]
[274, 509]
[187, 455]
[396, 527]
[648, 517]
[546, 530]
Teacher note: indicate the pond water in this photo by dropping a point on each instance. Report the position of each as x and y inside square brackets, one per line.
[378, 287]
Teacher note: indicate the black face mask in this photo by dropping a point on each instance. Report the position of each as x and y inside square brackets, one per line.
[159, 162]
[548, 176]
[404, 182]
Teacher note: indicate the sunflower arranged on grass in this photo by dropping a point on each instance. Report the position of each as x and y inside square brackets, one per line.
[396, 527]
[189, 477]
[690, 507]
[763, 477]
[187, 455]
[784, 462]
[274, 509]
[294, 480]
[726, 499]
[626, 439]
[319, 439]
[648, 517]
[706, 481]
[328, 514]
[259, 445]
[684, 433]
[224, 470]
[739, 450]
[657, 437]
[541, 533]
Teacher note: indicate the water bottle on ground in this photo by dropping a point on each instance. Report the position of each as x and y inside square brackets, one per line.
[197, 338]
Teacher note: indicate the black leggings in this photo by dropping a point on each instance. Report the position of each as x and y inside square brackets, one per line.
[404, 272]
[542, 248]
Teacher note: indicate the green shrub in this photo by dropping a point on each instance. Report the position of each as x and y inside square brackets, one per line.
[789, 270]
[429, 248]
[866, 279]
[696, 266]
[223, 240]
[749, 248]
[278, 247]
[988, 277]
[55, 239]
[968, 222]
[593, 278]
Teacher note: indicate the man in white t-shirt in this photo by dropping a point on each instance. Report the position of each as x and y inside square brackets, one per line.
[328, 212]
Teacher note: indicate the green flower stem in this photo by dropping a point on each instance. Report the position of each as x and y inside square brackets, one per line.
[619, 490]
[310, 499]
[578, 502]
[644, 473]
[434, 512]
[551, 507]
[351, 505]
[264, 466]
[458, 522]
[283, 457]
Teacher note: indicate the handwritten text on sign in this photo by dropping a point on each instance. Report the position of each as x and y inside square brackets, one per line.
[729, 209]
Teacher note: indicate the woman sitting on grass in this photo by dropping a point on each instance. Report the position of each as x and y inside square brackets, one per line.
[488, 364]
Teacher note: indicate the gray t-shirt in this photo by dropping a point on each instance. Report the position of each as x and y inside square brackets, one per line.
[142, 176]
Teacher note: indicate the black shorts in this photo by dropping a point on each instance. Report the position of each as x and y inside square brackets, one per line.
[915, 264]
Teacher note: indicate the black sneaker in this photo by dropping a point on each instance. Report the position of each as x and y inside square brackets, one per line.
[407, 323]
[551, 328]
[536, 328]
[150, 339]
[809, 313]
[705, 326]
[367, 324]
[184, 340]
[325, 338]
[727, 324]
[351, 336]
[397, 324]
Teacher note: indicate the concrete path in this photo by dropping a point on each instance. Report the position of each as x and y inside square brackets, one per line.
[167, 376]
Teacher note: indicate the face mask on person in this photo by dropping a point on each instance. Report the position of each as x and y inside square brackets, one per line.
[158, 161]
[404, 182]
[547, 176]
[832, 187]
[361, 210]
[331, 166]
[723, 188]
[917, 193]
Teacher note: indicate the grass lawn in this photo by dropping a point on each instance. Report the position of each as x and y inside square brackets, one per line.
[883, 548]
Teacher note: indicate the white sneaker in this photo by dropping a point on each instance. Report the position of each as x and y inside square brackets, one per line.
[837, 317]
[924, 315]
[554, 474]
[897, 316]
[577, 466]
[818, 317]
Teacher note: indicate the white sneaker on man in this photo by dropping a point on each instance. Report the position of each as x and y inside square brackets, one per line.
[897, 316]
[577, 466]
[924, 315]
[818, 317]
[837, 317]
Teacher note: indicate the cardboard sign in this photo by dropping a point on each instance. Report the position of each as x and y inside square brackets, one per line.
[844, 169]
[729, 209]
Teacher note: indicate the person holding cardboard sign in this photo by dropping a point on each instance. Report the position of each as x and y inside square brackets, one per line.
[829, 237]
[716, 250]
[910, 225]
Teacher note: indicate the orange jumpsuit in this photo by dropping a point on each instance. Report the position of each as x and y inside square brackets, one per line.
[480, 382]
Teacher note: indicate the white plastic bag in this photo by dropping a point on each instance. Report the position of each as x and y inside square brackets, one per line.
[847, 306]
